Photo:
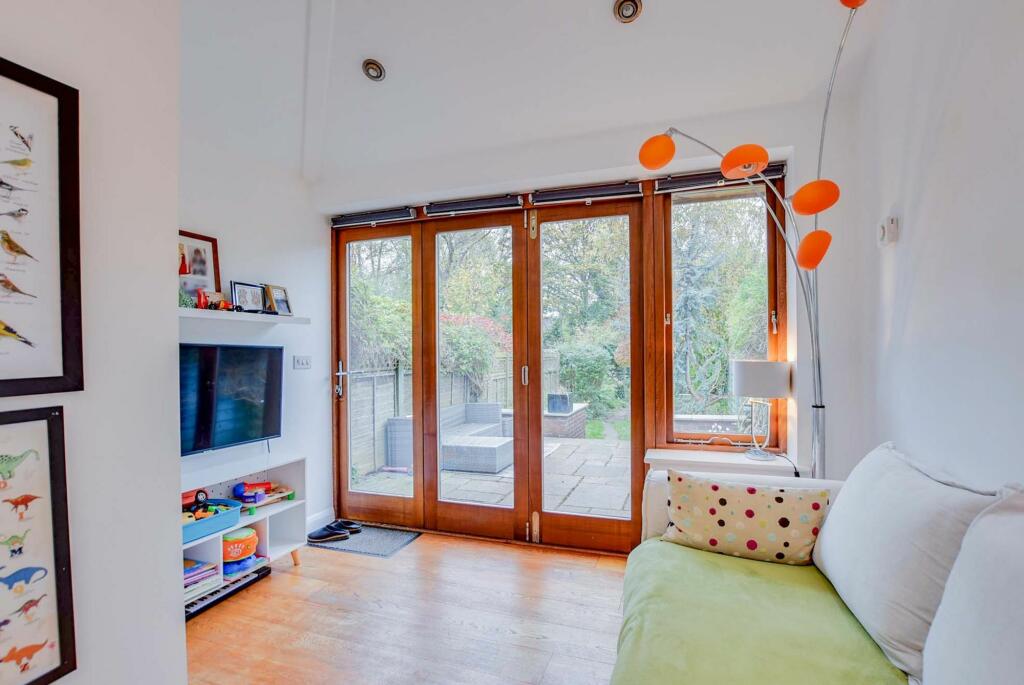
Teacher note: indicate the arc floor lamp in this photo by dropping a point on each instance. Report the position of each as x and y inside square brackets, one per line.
[747, 162]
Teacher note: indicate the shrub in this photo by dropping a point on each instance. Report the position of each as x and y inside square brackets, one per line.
[588, 371]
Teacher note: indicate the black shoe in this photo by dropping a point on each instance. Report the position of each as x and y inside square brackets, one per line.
[327, 534]
[344, 525]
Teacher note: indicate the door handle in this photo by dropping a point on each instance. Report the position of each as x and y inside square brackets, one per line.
[339, 388]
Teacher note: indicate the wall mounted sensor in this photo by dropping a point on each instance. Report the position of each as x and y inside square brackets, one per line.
[889, 231]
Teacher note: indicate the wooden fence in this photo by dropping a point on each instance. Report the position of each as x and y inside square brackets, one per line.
[376, 395]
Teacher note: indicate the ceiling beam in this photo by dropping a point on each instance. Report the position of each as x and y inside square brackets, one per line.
[319, 41]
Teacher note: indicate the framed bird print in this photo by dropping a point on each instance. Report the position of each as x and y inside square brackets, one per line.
[40, 288]
[37, 629]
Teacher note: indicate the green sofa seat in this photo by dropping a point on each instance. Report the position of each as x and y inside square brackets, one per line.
[696, 618]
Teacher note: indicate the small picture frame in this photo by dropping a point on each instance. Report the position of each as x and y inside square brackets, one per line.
[248, 296]
[198, 263]
[277, 300]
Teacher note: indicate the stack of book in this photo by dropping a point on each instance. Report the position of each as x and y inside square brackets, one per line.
[200, 577]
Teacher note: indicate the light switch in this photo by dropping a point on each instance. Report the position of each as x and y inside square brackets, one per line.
[303, 363]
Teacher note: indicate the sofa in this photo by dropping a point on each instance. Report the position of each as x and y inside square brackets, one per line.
[862, 613]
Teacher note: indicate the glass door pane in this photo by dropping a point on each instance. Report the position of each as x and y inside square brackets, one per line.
[719, 305]
[585, 360]
[380, 366]
[475, 378]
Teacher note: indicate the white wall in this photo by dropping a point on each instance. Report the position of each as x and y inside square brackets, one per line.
[937, 125]
[240, 183]
[268, 233]
[122, 443]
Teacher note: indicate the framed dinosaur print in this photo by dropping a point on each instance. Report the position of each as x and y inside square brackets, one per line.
[37, 628]
[40, 285]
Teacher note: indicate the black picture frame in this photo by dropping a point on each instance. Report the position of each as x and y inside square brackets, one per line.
[256, 286]
[54, 418]
[72, 378]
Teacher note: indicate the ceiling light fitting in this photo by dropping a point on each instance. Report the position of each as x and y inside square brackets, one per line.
[373, 70]
[626, 11]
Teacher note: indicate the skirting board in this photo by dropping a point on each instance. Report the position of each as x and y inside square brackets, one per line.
[319, 519]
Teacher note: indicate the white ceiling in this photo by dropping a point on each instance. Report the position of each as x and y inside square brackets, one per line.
[468, 76]
[464, 74]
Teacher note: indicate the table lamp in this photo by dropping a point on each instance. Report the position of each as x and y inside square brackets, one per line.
[760, 381]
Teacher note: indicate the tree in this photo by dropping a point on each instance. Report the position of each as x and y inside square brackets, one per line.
[719, 271]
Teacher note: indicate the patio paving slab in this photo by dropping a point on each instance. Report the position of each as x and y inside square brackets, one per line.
[602, 471]
[472, 496]
[580, 477]
[593, 495]
[498, 487]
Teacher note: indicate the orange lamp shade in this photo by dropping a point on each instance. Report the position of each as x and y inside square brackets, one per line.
[657, 151]
[812, 249]
[853, 4]
[815, 197]
[744, 161]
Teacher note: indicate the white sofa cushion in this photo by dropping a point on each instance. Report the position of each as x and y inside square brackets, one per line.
[976, 634]
[887, 546]
[655, 513]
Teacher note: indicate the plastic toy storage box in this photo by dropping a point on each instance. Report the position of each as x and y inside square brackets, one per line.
[213, 524]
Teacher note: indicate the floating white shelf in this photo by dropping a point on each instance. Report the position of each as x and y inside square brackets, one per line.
[243, 317]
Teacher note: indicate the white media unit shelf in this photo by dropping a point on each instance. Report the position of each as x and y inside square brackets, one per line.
[242, 317]
[280, 526]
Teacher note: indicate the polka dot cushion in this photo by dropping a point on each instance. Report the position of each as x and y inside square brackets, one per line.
[763, 523]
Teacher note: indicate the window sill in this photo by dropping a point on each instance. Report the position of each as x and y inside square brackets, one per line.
[715, 462]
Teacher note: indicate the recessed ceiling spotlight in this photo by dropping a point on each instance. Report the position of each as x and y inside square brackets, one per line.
[373, 70]
[627, 11]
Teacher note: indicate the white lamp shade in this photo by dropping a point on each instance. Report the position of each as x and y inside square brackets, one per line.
[760, 379]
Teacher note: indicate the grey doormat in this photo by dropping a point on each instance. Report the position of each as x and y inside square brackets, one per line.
[373, 541]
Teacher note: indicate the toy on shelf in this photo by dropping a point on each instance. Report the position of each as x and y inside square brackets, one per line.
[204, 512]
[239, 544]
[193, 499]
[236, 568]
[207, 517]
[196, 506]
[240, 552]
[259, 494]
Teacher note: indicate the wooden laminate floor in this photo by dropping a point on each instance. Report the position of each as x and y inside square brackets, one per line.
[442, 610]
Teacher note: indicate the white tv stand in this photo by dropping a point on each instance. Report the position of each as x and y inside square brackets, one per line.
[281, 526]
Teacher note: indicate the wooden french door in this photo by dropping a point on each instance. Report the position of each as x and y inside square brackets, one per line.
[585, 359]
[379, 375]
[475, 444]
[491, 374]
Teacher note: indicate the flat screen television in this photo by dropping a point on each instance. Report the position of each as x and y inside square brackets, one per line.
[230, 395]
